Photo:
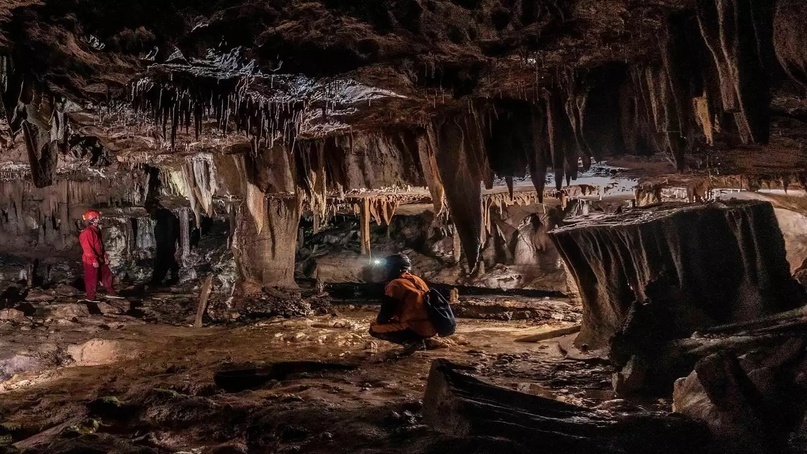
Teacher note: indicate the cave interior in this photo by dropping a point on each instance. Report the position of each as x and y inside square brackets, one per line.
[612, 194]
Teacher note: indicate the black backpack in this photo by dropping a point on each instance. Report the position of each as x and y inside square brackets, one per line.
[440, 313]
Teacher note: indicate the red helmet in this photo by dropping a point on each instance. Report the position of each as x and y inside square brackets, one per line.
[90, 215]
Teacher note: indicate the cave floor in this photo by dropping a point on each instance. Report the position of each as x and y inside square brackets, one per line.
[143, 387]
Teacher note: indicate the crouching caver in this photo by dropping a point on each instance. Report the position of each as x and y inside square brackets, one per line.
[94, 257]
[403, 318]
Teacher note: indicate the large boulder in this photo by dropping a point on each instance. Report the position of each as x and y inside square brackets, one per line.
[682, 267]
[751, 403]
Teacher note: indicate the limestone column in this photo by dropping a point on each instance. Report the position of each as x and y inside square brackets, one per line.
[266, 258]
[185, 233]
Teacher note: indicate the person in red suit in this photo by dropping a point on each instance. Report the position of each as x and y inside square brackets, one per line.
[94, 257]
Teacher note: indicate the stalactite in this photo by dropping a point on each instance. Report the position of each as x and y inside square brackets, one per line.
[509, 182]
[541, 151]
[54, 212]
[475, 141]
[382, 209]
[738, 34]
[32, 109]
[576, 96]
[335, 163]
[560, 133]
[312, 174]
[509, 144]
[700, 107]
[364, 223]
[175, 100]
[270, 169]
[427, 151]
[461, 174]
[200, 183]
[144, 238]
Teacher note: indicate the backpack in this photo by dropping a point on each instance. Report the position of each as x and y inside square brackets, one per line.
[440, 313]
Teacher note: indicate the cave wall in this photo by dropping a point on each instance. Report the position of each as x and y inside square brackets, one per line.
[518, 255]
[43, 219]
[43, 224]
[240, 110]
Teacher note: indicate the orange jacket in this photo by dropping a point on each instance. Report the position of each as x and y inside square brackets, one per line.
[92, 245]
[408, 291]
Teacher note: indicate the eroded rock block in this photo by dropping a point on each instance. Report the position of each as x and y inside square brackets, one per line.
[687, 267]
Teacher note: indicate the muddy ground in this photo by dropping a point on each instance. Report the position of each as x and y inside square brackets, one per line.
[118, 377]
[98, 378]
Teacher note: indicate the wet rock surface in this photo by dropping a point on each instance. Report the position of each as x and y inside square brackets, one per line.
[336, 389]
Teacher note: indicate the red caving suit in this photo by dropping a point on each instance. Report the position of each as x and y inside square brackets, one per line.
[93, 247]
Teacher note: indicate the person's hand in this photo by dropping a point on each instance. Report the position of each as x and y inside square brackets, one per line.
[95, 264]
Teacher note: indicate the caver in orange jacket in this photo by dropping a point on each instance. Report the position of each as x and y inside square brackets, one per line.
[409, 311]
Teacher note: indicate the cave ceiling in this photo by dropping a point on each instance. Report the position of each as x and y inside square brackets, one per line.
[705, 83]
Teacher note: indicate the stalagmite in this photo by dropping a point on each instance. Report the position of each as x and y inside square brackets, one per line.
[690, 267]
[267, 258]
[185, 233]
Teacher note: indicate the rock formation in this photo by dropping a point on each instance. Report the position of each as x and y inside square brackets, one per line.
[751, 403]
[675, 270]
[398, 95]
